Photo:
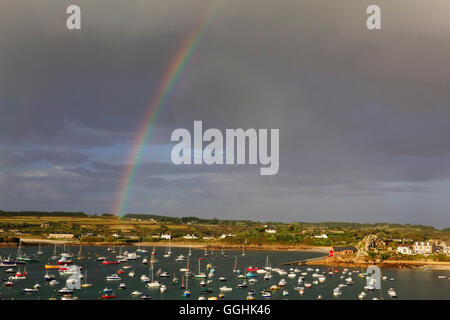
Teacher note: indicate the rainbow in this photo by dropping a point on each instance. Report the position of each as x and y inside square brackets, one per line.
[166, 86]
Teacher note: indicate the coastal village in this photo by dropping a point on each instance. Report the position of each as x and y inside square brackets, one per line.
[346, 244]
[39, 248]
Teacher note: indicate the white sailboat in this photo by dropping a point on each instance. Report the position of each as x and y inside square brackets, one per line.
[268, 267]
[54, 255]
[153, 283]
[186, 292]
[80, 256]
[39, 252]
[86, 284]
[200, 274]
[168, 251]
[235, 270]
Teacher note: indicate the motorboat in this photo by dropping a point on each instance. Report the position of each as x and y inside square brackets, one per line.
[145, 278]
[65, 290]
[225, 289]
[266, 294]
[268, 276]
[180, 258]
[337, 292]
[164, 274]
[113, 277]
[392, 293]
[154, 284]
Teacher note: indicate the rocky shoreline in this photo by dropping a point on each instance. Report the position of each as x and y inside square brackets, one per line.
[398, 264]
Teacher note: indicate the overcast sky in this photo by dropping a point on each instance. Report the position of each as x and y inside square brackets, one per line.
[364, 116]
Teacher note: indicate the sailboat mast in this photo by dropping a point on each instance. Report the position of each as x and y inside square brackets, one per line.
[18, 249]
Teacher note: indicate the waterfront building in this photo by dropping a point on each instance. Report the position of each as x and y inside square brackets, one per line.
[404, 250]
[341, 251]
[190, 236]
[165, 236]
[424, 247]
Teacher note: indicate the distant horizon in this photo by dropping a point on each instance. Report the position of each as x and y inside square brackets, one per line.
[236, 219]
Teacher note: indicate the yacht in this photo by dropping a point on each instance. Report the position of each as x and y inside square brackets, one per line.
[180, 258]
[392, 293]
[53, 282]
[64, 260]
[225, 289]
[266, 294]
[65, 290]
[164, 274]
[337, 292]
[200, 275]
[108, 294]
[268, 276]
[113, 277]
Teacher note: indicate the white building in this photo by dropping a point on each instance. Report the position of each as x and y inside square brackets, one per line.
[404, 250]
[271, 231]
[223, 236]
[165, 236]
[208, 238]
[61, 235]
[424, 247]
[190, 236]
[321, 236]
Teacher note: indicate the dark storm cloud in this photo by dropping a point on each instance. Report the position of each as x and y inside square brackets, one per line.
[361, 113]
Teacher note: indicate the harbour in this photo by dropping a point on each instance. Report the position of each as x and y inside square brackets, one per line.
[176, 273]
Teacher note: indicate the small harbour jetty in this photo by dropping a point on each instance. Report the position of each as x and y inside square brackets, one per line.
[303, 262]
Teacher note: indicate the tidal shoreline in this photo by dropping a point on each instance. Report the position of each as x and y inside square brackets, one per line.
[177, 244]
[397, 264]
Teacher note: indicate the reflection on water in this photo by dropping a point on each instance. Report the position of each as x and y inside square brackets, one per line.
[408, 284]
